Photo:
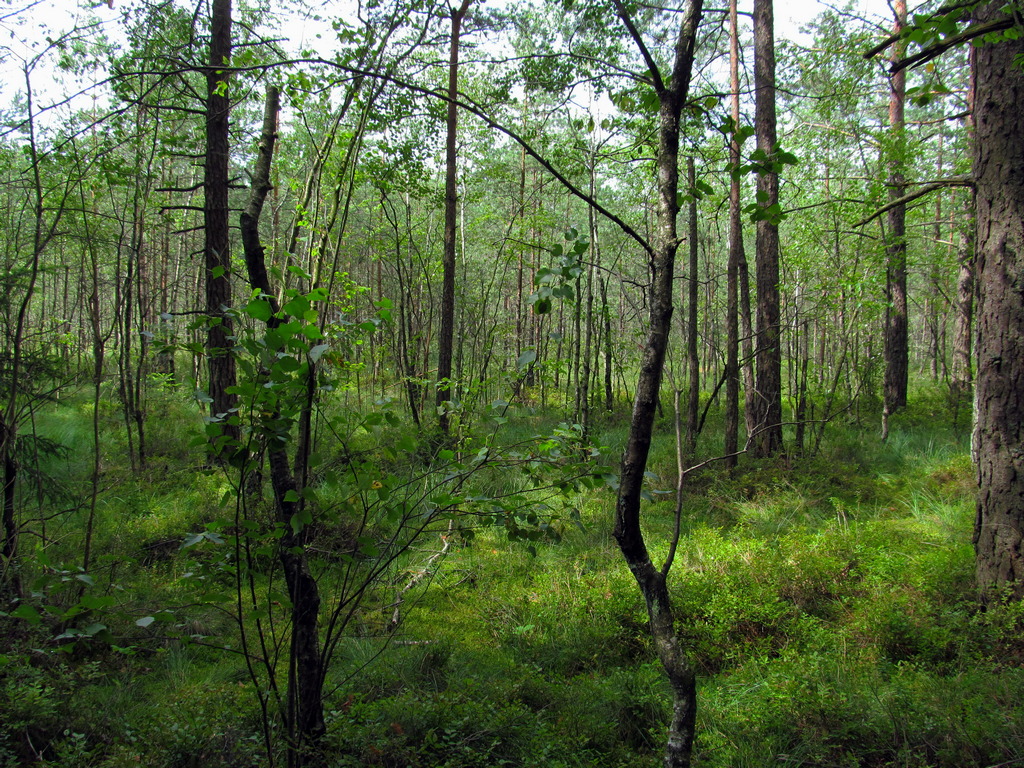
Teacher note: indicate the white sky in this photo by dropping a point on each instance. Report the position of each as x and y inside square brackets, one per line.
[26, 24]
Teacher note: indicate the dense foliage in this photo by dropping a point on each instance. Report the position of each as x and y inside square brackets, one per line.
[312, 396]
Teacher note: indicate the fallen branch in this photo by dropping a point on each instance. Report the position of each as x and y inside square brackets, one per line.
[422, 573]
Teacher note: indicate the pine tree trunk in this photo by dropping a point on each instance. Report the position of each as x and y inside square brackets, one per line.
[767, 437]
[896, 349]
[217, 253]
[446, 337]
[999, 396]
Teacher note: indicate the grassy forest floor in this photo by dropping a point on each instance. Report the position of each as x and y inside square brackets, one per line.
[827, 602]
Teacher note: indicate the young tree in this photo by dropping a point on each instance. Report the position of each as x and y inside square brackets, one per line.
[653, 581]
[736, 254]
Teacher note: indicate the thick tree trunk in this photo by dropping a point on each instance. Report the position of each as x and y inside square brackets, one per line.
[767, 437]
[999, 396]
[216, 250]
[894, 389]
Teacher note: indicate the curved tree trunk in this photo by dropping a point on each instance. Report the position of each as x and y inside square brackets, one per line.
[627, 532]
[305, 711]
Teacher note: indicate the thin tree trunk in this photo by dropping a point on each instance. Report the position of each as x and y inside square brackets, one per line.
[651, 580]
[692, 356]
[305, 715]
[896, 351]
[446, 336]
[736, 255]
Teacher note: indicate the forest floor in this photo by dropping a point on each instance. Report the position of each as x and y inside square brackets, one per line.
[826, 601]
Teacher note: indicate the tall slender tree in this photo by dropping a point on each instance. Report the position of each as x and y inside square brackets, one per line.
[446, 336]
[897, 351]
[653, 581]
[217, 244]
[736, 255]
[767, 437]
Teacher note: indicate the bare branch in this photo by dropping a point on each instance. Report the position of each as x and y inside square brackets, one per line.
[966, 180]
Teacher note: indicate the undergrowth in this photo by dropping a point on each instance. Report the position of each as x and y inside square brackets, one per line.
[826, 601]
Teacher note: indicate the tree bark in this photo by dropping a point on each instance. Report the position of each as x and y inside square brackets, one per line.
[999, 396]
[767, 437]
[446, 337]
[894, 388]
[216, 249]
[627, 531]
[732, 343]
[305, 713]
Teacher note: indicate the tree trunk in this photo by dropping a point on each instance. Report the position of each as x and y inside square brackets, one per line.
[446, 337]
[732, 343]
[305, 715]
[894, 390]
[962, 369]
[627, 532]
[999, 397]
[767, 437]
[692, 354]
[216, 250]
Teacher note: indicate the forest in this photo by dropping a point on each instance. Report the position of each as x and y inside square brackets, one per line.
[563, 383]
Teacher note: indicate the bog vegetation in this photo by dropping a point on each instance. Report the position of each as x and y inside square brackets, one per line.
[407, 399]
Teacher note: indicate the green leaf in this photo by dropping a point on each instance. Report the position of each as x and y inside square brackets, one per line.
[297, 307]
[96, 602]
[28, 613]
[259, 309]
[145, 621]
[528, 358]
[300, 520]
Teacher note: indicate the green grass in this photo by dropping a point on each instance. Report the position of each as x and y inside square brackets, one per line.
[827, 603]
